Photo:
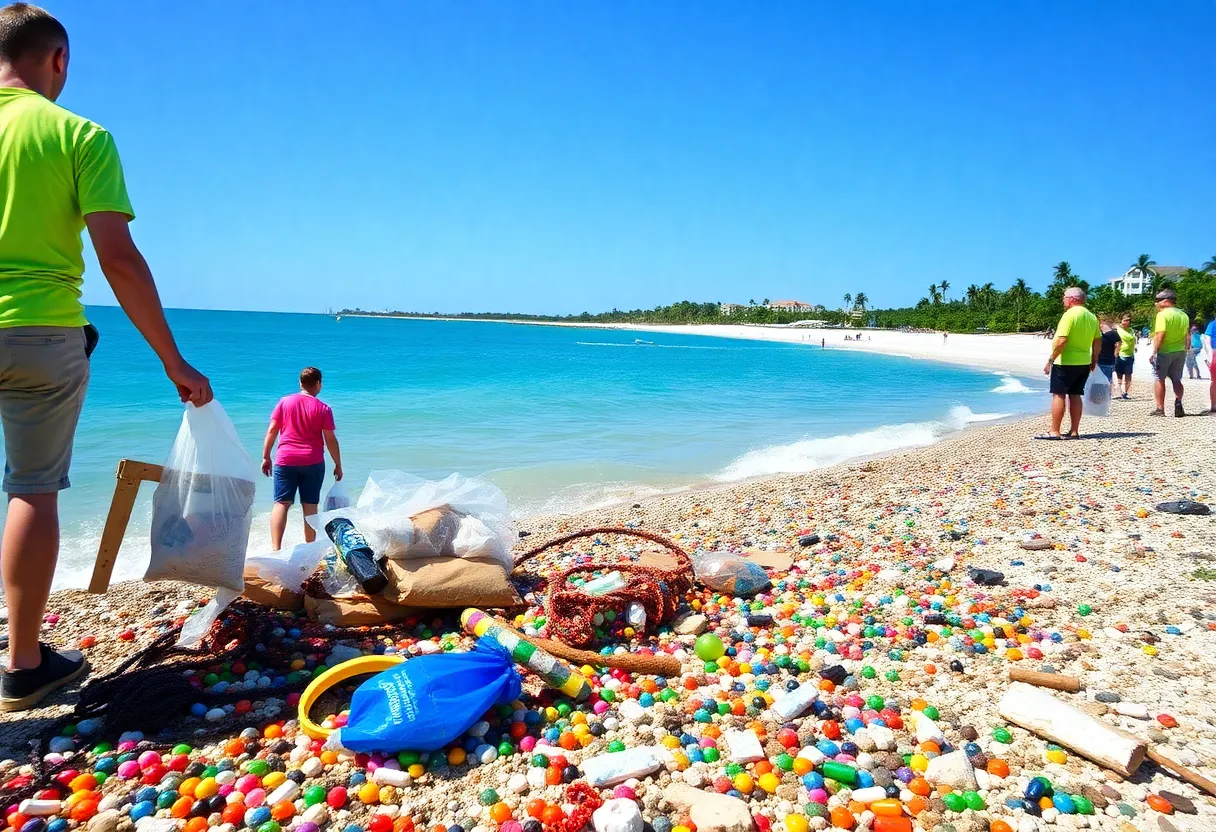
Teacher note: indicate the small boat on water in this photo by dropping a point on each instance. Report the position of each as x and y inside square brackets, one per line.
[638, 342]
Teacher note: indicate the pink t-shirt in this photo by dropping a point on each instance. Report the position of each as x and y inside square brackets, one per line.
[301, 419]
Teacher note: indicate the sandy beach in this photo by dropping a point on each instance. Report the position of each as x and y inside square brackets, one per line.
[1111, 591]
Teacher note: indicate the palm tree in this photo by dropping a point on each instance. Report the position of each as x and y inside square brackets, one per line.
[973, 293]
[1063, 272]
[860, 301]
[1209, 266]
[1019, 291]
[945, 288]
[848, 299]
[751, 302]
[935, 294]
[766, 301]
[1143, 265]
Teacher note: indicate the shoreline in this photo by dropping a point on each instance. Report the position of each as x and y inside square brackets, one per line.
[1022, 354]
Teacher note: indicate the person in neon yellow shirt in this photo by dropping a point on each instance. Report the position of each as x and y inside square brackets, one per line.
[1169, 350]
[1074, 355]
[59, 174]
[1125, 361]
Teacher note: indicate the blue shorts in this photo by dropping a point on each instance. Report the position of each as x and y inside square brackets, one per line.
[1123, 366]
[308, 479]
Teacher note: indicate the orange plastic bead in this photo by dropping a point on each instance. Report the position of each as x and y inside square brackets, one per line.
[536, 809]
[1045, 803]
[842, 817]
[272, 732]
[233, 813]
[892, 824]
[917, 805]
[234, 748]
[553, 815]
[827, 686]
[930, 669]
[195, 825]
[930, 747]
[187, 787]
[568, 741]
[763, 767]
[500, 812]
[84, 810]
[999, 826]
[998, 768]
[888, 806]
[802, 766]
[282, 810]
[181, 807]
[1156, 801]
[553, 776]
[83, 783]
[920, 786]
[919, 704]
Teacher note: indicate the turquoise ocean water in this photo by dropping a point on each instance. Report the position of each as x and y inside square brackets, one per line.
[561, 418]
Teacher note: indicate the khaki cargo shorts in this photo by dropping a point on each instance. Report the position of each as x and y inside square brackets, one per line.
[44, 372]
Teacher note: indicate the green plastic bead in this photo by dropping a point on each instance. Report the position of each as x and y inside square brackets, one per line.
[733, 769]
[181, 748]
[488, 797]
[165, 799]
[932, 712]
[1002, 735]
[257, 768]
[711, 755]
[407, 758]
[840, 772]
[1084, 609]
[785, 762]
[270, 826]
[616, 745]
[974, 801]
[954, 802]
[875, 702]
[723, 708]
[314, 795]
[892, 675]
[868, 672]
[505, 748]
[608, 695]
[1084, 805]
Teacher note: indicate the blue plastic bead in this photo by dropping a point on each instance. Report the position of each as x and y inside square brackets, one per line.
[142, 809]
[1064, 803]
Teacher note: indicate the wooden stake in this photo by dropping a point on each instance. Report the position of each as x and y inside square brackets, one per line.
[658, 665]
[1055, 681]
[130, 474]
[1182, 772]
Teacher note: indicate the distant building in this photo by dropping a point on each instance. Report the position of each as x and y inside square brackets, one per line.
[1135, 282]
[730, 308]
[790, 306]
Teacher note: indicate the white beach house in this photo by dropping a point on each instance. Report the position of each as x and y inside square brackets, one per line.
[1135, 281]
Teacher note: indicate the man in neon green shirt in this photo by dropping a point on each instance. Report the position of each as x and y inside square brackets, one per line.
[1126, 360]
[1074, 355]
[1169, 350]
[59, 174]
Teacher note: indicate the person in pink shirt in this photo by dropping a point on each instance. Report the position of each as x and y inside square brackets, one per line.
[304, 427]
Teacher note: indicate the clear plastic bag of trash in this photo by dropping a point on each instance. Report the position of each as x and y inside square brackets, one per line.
[289, 568]
[404, 516]
[729, 574]
[1097, 396]
[337, 497]
[201, 513]
[336, 578]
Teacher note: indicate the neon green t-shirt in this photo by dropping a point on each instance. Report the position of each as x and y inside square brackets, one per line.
[1081, 328]
[1174, 323]
[1127, 348]
[55, 167]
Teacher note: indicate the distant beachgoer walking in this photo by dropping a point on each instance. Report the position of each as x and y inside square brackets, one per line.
[1193, 350]
[823, 343]
[1126, 359]
[59, 174]
[1169, 350]
[944, 334]
[303, 424]
[1074, 355]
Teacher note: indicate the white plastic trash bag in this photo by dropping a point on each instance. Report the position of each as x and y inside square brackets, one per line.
[201, 512]
[404, 516]
[288, 568]
[1097, 394]
[337, 497]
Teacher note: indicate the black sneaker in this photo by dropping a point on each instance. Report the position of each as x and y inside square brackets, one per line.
[1178, 411]
[23, 689]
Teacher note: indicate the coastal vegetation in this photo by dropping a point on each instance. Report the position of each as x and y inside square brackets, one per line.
[984, 308]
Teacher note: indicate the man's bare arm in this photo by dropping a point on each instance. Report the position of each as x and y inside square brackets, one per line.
[131, 279]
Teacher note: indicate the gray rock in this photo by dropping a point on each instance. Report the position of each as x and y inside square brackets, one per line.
[690, 625]
[953, 769]
[105, 821]
[1107, 697]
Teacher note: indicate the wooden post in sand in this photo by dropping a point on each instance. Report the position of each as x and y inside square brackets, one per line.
[130, 474]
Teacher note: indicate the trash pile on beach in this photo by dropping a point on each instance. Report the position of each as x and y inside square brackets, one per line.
[860, 689]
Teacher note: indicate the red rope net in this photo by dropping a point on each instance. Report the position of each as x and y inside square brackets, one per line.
[571, 612]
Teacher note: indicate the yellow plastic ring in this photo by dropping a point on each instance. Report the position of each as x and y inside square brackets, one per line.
[334, 676]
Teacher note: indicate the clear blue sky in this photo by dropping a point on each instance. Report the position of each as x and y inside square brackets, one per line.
[568, 156]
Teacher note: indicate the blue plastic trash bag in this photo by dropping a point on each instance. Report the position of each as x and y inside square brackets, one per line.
[428, 702]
